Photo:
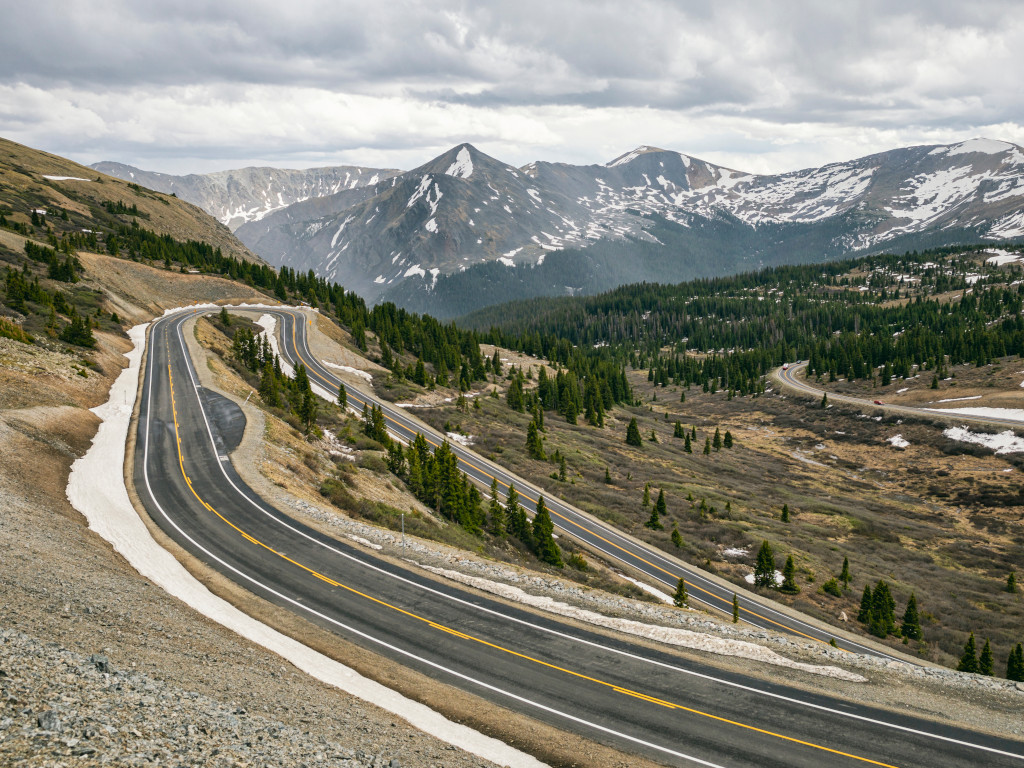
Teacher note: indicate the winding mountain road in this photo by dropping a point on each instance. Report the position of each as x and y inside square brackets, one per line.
[640, 699]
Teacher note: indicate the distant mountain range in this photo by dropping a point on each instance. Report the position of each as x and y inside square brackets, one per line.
[465, 230]
[249, 194]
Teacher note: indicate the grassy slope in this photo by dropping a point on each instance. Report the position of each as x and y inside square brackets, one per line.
[933, 519]
[23, 188]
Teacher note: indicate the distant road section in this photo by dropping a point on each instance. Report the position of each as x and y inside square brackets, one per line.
[790, 378]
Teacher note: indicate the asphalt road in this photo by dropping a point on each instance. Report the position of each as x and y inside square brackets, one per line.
[637, 699]
[650, 561]
[788, 378]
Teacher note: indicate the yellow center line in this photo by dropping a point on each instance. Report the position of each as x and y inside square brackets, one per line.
[480, 641]
[572, 522]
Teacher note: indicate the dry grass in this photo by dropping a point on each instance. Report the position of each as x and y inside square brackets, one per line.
[936, 519]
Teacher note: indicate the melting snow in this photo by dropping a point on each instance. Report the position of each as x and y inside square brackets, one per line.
[455, 437]
[462, 168]
[958, 399]
[1004, 442]
[749, 578]
[897, 441]
[65, 178]
[431, 226]
[1000, 257]
[984, 146]
[349, 369]
[1009, 414]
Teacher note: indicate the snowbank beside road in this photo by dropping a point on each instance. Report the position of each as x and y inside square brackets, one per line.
[96, 489]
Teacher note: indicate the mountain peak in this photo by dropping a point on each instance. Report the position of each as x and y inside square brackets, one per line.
[630, 156]
[461, 166]
[979, 145]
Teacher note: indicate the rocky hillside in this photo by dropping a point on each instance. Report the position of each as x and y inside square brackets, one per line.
[73, 197]
[249, 194]
[424, 238]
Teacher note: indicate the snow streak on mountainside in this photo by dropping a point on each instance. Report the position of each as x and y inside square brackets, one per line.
[249, 194]
[465, 209]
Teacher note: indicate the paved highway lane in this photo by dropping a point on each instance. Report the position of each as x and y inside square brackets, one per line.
[654, 563]
[788, 378]
[640, 700]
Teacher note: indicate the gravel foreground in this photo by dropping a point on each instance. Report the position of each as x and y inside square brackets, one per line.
[58, 707]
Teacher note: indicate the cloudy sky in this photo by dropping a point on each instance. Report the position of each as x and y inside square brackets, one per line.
[193, 86]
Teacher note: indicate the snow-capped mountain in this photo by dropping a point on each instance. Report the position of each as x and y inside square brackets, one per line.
[397, 238]
[249, 194]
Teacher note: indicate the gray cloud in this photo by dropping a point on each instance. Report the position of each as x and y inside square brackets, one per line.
[286, 82]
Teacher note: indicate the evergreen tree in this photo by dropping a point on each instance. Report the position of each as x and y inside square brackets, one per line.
[785, 513]
[717, 442]
[543, 540]
[969, 658]
[985, 661]
[728, 439]
[225, 318]
[789, 585]
[764, 569]
[308, 409]
[677, 429]
[680, 597]
[342, 397]
[268, 386]
[688, 446]
[607, 476]
[497, 512]
[561, 467]
[707, 446]
[911, 627]
[864, 614]
[677, 538]
[516, 522]
[693, 431]
[633, 434]
[883, 611]
[735, 608]
[844, 574]
[1011, 583]
[647, 495]
[1015, 664]
[824, 400]
[654, 522]
[660, 506]
[534, 445]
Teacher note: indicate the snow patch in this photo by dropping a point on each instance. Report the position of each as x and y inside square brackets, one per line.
[462, 168]
[653, 591]
[431, 226]
[1009, 414]
[464, 440]
[349, 369]
[958, 399]
[1004, 442]
[897, 441]
[981, 146]
[749, 578]
[65, 178]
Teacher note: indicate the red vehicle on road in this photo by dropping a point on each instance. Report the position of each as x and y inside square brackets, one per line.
[879, 402]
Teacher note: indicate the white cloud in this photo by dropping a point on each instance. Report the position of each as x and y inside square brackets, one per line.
[194, 86]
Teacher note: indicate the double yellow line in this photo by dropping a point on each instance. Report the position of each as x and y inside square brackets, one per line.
[470, 638]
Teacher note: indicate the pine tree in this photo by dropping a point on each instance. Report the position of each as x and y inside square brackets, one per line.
[342, 397]
[717, 442]
[497, 512]
[883, 607]
[789, 585]
[633, 434]
[543, 540]
[764, 569]
[728, 439]
[534, 446]
[660, 506]
[969, 659]
[1011, 583]
[864, 614]
[985, 662]
[1015, 664]
[680, 597]
[607, 476]
[911, 627]
[785, 513]
[654, 522]
[677, 538]
[693, 431]
[268, 386]
[844, 574]
[561, 468]
[707, 446]
[308, 409]
[735, 608]
[688, 446]
[647, 495]
[824, 400]
[225, 318]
